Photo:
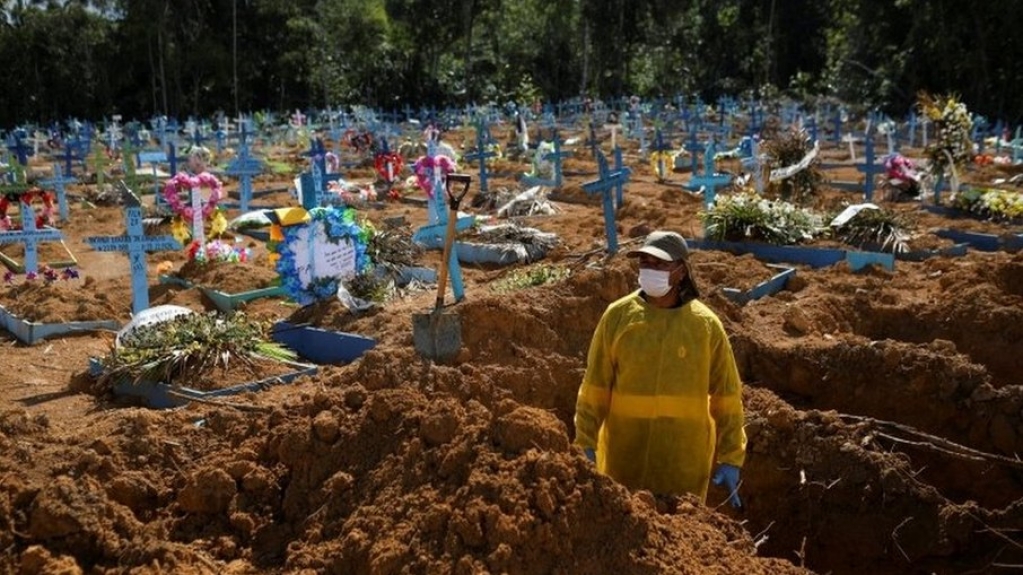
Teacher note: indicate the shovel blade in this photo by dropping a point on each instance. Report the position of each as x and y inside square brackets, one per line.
[437, 336]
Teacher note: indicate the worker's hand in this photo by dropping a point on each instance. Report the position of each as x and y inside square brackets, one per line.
[591, 454]
[728, 476]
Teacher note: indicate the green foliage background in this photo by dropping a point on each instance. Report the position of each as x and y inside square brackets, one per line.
[91, 59]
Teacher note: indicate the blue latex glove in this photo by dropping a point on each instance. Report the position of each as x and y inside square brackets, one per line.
[728, 476]
[591, 454]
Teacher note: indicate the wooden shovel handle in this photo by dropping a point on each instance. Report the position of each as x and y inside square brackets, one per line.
[442, 275]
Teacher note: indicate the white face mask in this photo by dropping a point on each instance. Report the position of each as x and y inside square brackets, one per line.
[654, 282]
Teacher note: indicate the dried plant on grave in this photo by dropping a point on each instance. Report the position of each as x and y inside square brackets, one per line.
[532, 276]
[189, 345]
[391, 248]
[881, 229]
[788, 148]
[370, 286]
[747, 216]
[511, 233]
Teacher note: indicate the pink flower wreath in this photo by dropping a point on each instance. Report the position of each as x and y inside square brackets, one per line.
[183, 182]
[424, 167]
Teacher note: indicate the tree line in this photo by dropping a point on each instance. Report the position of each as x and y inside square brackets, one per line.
[138, 58]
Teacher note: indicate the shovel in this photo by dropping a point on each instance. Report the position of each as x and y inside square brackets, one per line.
[438, 335]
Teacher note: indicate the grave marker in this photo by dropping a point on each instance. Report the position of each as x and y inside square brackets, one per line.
[244, 167]
[19, 149]
[98, 163]
[869, 168]
[710, 181]
[135, 243]
[31, 237]
[482, 152]
[755, 163]
[57, 183]
[607, 180]
[154, 158]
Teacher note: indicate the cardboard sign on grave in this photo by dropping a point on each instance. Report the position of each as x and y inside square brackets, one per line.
[136, 244]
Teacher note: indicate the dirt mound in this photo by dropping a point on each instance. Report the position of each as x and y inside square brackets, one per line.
[883, 413]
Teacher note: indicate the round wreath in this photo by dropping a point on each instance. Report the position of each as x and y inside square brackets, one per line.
[183, 182]
[424, 169]
[660, 160]
[43, 218]
[381, 161]
[339, 224]
[333, 162]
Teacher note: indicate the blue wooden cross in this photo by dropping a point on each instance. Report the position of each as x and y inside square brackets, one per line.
[1017, 146]
[869, 168]
[19, 149]
[57, 183]
[592, 142]
[31, 237]
[603, 185]
[556, 156]
[977, 132]
[694, 147]
[154, 158]
[173, 158]
[244, 167]
[710, 181]
[135, 243]
[755, 163]
[482, 153]
[811, 128]
[837, 120]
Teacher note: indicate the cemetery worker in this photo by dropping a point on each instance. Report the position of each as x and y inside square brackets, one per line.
[198, 159]
[660, 405]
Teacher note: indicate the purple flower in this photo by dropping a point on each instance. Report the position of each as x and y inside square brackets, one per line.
[69, 274]
[31, 276]
[9, 277]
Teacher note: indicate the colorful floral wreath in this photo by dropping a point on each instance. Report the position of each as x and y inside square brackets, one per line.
[339, 224]
[397, 164]
[333, 162]
[656, 159]
[183, 182]
[43, 218]
[424, 169]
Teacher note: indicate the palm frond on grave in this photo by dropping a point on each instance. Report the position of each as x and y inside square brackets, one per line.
[189, 345]
[881, 229]
[788, 148]
[392, 247]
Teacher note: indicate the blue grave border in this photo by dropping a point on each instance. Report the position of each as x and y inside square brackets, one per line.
[813, 257]
[771, 286]
[30, 332]
[226, 302]
[160, 395]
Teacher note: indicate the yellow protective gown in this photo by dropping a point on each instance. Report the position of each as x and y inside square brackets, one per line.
[661, 399]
